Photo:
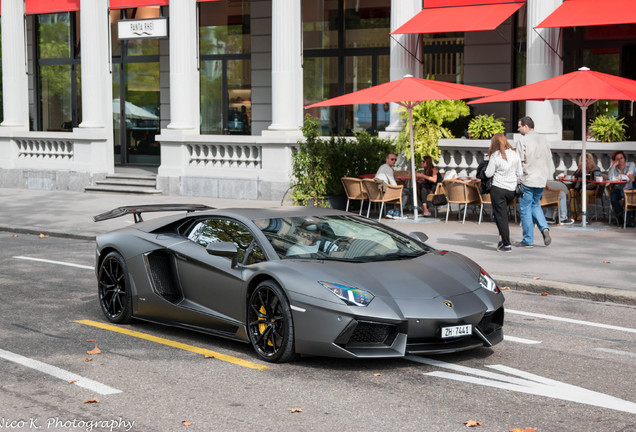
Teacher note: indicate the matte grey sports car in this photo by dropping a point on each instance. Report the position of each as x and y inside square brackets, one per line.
[296, 280]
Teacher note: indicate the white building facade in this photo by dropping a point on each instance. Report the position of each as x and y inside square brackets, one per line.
[210, 94]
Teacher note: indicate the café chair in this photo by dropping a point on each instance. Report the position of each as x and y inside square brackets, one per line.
[382, 193]
[439, 190]
[354, 191]
[486, 200]
[593, 198]
[550, 199]
[629, 203]
[461, 193]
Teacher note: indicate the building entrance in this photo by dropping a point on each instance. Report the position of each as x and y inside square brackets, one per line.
[136, 94]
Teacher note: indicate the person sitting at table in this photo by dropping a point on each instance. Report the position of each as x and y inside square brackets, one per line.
[550, 212]
[385, 173]
[504, 166]
[591, 170]
[619, 168]
[428, 183]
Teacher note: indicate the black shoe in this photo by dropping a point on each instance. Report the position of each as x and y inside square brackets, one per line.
[500, 244]
[546, 237]
[567, 222]
[503, 248]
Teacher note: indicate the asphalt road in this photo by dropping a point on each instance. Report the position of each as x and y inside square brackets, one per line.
[566, 365]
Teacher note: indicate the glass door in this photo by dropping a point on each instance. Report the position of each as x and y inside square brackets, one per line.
[136, 95]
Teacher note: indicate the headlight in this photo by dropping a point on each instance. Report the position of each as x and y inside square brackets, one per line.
[350, 295]
[487, 282]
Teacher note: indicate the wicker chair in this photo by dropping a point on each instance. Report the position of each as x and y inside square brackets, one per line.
[382, 193]
[354, 190]
[629, 203]
[550, 199]
[461, 193]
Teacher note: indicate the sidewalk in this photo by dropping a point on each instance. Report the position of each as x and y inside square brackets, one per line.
[598, 262]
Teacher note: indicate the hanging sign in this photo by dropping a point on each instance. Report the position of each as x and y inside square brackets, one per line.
[143, 28]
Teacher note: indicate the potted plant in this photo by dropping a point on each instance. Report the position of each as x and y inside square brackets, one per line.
[319, 163]
[430, 119]
[484, 126]
[606, 128]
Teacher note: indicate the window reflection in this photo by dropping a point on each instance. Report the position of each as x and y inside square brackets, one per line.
[58, 64]
[225, 71]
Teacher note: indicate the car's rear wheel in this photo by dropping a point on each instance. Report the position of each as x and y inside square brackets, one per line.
[114, 289]
[270, 324]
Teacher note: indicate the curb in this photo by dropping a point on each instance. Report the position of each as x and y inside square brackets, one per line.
[565, 289]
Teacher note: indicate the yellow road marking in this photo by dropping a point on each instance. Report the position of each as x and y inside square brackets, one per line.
[186, 347]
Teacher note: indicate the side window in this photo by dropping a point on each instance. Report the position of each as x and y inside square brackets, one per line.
[225, 230]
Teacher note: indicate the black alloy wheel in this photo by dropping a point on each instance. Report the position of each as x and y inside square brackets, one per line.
[114, 289]
[270, 325]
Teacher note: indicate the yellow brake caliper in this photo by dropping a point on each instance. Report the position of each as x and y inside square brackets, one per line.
[262, 323]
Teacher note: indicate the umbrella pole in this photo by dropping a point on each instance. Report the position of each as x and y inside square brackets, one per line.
[584, 168]
[413, 177]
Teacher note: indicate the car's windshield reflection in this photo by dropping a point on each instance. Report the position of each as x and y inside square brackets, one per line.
[346, 238]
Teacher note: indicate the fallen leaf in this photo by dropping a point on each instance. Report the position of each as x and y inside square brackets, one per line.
[94, 351]
[15, 235]
[606, 262]
[88, 359]
[377, 374]
[43, 235]
[90, 340]
[94, 400]
[296, 410]
[209, 356]
[523, 430]
[524, 291]
[473, 423]
[72, 382]
[505, 288]
[544, 293]
[186, 423]
[536, 278]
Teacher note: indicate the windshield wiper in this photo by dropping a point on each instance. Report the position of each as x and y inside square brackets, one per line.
[393, 256]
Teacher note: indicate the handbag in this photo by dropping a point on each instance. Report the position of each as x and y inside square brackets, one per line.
[518, 191]
[439, 200]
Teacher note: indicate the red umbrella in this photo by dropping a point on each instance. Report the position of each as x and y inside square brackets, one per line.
[582, 87]
[408, 92]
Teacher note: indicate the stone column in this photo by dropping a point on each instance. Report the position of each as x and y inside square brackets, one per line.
[287, 73]
[15, 84]
[542, 63]
[404, 48]
[96, 79]
[184, 76]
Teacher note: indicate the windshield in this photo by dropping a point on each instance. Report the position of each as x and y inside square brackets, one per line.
[347, 238]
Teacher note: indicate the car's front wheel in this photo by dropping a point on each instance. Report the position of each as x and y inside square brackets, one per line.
[114, 289]
[270, 324]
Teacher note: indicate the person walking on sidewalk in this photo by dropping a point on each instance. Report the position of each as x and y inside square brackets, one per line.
[504, 167]
[538, 167]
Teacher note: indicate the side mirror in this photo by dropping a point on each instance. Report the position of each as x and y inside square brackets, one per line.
[223, 249]
[418, 235]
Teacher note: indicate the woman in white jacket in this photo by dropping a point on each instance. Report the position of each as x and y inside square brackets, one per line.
[504, 166]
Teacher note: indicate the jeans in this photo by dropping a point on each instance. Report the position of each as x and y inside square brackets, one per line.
[531, 212]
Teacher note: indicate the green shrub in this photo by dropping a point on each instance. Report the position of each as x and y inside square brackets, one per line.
[606, 128]
[429, 119]
[485, 126]
[318, 163]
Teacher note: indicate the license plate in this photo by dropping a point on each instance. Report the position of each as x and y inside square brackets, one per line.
[457, 331]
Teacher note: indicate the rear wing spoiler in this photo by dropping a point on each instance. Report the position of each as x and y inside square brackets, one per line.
[136, 211]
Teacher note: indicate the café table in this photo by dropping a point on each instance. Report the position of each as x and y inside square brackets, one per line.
[573, 195]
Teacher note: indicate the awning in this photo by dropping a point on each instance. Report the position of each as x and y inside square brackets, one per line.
[125, 4]
[576, 13]
[32, 7]
[462, 18]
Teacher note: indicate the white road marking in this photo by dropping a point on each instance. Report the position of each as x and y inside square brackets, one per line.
[521, 340]
[613, 351]
[527, 383]
[56, 372]
[55, 262]
[572, 321]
